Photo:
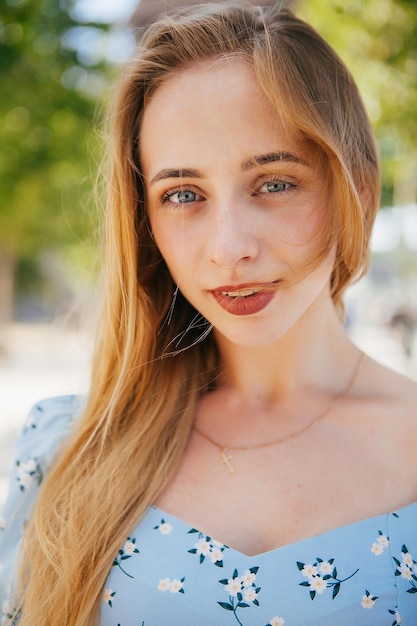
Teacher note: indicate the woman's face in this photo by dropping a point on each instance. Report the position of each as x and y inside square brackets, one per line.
[236, 203]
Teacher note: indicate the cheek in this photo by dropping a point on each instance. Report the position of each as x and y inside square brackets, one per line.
[174, 249]
[300, 234]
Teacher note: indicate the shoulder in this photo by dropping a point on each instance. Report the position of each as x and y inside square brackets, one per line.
[54, 414]
[383, 418]
[391, 404]
[383, 407]
[59, 407]
[398, 390]
[48, 422]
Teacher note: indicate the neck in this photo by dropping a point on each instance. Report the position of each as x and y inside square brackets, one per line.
[315, 353]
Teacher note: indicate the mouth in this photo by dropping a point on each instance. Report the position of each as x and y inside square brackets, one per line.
[245, 299]
[246, 289]
[240, 293]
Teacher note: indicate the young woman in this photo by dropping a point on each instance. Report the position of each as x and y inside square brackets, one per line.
[238, 460]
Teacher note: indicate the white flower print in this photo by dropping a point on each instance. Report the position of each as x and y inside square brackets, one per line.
[406, 568]
[309, 570]
[276, 621]
[248, 578]
[5, 608]
[380, 544]
[321, 575]
[318, 584]
[377, 549]
[29, 466]
[129, 547]
[8, 619]
[108, 596]
[202, 547]
[165, 528]
[368, 600]
[216, 555]
[405, 571]
[325, 568]
[126, 552]
[249, 595]
[234, 586]
[397, 617]
[25, 480]
[242, 590]
[164, 584]
[206, 547]
[176, 585]
[28, 472]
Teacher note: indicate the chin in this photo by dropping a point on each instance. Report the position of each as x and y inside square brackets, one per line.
[252, 338]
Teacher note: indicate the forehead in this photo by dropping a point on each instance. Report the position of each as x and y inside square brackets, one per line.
[216, 72]
[211, 107]
[214, 85]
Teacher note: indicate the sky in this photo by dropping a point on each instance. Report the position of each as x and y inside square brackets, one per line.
[107, 11]
[91, 43]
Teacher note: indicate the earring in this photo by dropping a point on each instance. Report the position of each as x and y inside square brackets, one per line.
[169, 315]
[198, 322]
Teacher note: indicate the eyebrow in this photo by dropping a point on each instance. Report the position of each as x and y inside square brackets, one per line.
[259, 159]
[173, 173]
[272, 157]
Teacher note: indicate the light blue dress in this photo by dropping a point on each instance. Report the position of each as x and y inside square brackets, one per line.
[167, 573]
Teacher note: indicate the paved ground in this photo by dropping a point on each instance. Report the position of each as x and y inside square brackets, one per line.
[38, 361]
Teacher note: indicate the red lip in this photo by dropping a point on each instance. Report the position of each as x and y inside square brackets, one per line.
[245, 305]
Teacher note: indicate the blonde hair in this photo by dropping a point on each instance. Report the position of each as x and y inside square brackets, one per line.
[140, 410]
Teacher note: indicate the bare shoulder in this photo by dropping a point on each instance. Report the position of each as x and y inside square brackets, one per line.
[396, 392]
[393, 382]
[387, 411]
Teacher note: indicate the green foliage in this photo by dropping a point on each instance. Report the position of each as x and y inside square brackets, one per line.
[52, 72]
[378, 41]
[46, 113]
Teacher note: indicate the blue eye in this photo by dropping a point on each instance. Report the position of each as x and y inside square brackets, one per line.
[275, 187]
[183, 196]
[180, 196]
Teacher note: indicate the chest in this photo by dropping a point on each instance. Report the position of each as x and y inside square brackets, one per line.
[169, 572]
[283, 494]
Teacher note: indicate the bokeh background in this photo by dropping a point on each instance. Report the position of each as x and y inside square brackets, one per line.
[58, 59]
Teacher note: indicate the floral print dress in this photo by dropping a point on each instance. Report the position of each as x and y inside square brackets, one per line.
[167, 573]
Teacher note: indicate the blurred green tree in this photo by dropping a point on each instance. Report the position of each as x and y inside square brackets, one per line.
[378, 41]
[52, 70]
[48, 89]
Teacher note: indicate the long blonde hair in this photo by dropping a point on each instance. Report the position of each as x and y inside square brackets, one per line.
[135, 427]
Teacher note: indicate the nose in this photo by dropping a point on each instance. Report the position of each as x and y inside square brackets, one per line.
[232, 238]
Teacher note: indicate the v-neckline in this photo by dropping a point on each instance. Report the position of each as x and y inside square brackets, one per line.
[343, 528]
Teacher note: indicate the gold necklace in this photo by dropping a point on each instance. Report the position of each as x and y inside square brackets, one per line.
[225, 451]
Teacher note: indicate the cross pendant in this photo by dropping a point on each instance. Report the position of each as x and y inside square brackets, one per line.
[226, 457]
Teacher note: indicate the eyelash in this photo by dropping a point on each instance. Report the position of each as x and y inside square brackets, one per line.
[166, 196]
[289, 186]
